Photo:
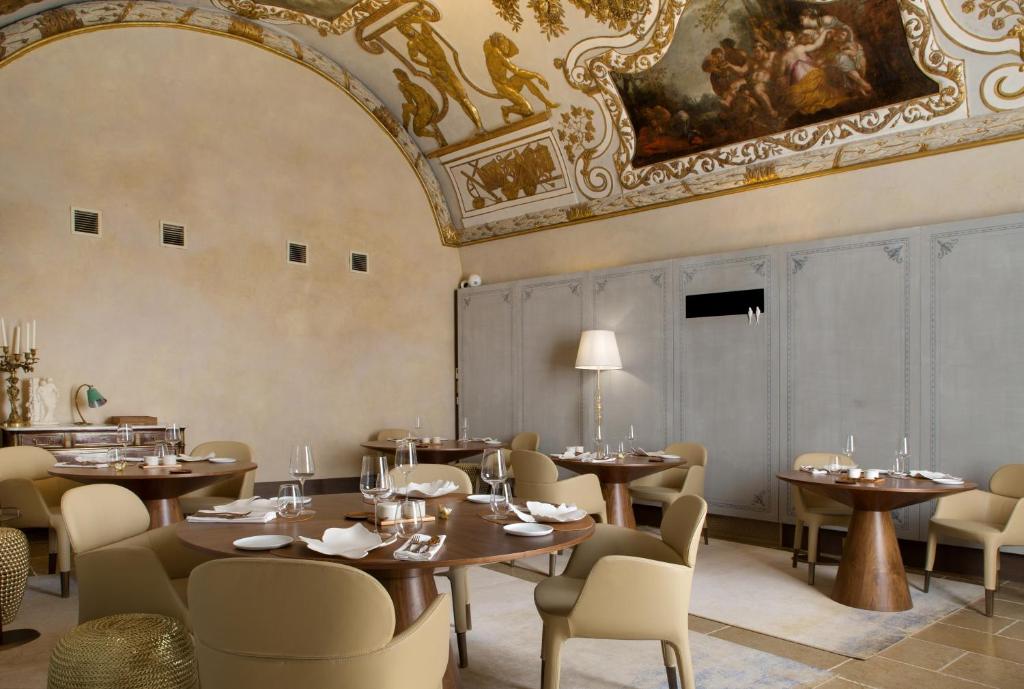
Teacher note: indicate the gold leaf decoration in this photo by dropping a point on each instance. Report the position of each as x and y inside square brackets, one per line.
[577, 131]
[57, 21]
[509, 11]
[550, 15]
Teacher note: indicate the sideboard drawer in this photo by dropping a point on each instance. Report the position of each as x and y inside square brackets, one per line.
[46, 440]
[95, 439]
[149, 437]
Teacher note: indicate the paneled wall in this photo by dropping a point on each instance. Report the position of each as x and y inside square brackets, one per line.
[914, 332]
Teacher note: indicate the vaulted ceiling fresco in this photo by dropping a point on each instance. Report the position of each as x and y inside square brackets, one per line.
[523, 115]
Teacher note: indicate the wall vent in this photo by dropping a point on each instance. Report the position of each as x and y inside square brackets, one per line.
[359, 262]
[298, 253]
[84, 221]
[172, 234]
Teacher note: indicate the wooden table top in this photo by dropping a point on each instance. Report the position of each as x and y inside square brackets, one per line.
[887, 494]
[623, 470]
[133, 471]
[461, 446]
[471, 540]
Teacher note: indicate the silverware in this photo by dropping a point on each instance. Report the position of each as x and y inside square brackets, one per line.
[421, 546]
[222, 515]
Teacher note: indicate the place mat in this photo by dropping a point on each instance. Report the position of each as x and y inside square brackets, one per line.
[580, 525]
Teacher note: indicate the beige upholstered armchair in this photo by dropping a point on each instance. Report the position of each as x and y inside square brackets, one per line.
[253, 629]
[393, 433]
[525, 441]
[228, 490]
[815, 511]
[994, 519]
[25, 484]
[122, 565]
[425, 473]
[626, 584]
[666, 486]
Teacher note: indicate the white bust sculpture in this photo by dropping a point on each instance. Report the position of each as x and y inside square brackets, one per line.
[42, 401]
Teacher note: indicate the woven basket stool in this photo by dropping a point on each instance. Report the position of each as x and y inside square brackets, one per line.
[14, 571]
[132, 651]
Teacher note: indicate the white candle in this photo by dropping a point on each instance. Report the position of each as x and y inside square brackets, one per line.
[17, 339]
[3, 332]
[33, 333]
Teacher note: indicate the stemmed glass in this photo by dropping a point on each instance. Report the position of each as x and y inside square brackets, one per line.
[848, 450]
[631, 436]
[405, 461]
[419, 426]
[302, 466]
[172, 434]
[494, 471]
[125, 437]
[375, 482]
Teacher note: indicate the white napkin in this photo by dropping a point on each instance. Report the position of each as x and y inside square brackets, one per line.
[254, 504]
[545, 512]
[95, 458]
[352, 543]
[75, 465]
[933, 475]
[595, 460]
[433, 489]
[488, 439]
[254, 517]
[814, 471]
[190, 458]
[405, 552]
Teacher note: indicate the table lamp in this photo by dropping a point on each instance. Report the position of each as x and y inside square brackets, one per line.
[598, 352]
[93, 397]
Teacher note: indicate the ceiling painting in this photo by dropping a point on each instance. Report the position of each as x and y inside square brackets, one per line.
[520, 115]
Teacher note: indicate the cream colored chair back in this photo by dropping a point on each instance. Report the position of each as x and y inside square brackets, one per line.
[1008, 481]
[425, 473]
[694, 482]
[393, 433]
[236, 487]
[253, 628]
[102, 513]
[25, 484]
[526, 441]
[693, 454]
[804, 499]
[530, 466]
[681, 526]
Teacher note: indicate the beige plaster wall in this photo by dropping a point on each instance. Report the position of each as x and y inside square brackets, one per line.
[249, 150]
[951, 186]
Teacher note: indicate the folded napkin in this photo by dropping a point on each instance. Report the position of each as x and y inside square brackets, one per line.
[254, 504]
[353, 543]
[254, 517]
[935, 475]
[488, 439]
[433, 489]
[82, 465]
[190, 458]
[94, 458]
[595, 460]
[813, 470]
[545, 512]
[414, 550]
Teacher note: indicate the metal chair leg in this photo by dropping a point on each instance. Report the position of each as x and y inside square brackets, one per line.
[460, 639]
[810, 573]
[65, 584]
[927, 581]
[552, 564]
[51, 567]
[990, 602]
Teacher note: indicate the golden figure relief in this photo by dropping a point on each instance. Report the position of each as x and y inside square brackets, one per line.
[509, 79]
[419, 109]
[425, 50]
[521, 172]
[56, 21]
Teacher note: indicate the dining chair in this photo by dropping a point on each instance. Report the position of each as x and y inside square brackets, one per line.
[122, 565]
[995, 519]
[222, 492]
[393, 433]
[24, 484]
[629, 585]
[525, 441]
[266, 623]
[537, 479]
[815, 510]
[425, 473]
[667, 486]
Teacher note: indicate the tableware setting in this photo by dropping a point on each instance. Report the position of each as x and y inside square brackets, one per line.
[190, 458]
[479, 498]
[222, 517]
[641, 452]
[222, 460]
[421, 547]
[528, 529]
[487, 440]
[937, 477]
[434, 489]
[546, 512]
[263, 542]
[352, 543]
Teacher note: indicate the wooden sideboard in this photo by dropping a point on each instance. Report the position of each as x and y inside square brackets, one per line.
[70, 440]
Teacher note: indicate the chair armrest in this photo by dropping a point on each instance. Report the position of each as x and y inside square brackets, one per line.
[669, 478]
[177, 559]
[413, 658]
[22, 493]
[123, 580]
[1013, 534]
[975, 505]
[633, 598]
[616, 540]
[584, 491]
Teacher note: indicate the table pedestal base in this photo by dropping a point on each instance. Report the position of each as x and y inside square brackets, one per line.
[871, 574]
[618, 504]
[164, 511]
[412, 591]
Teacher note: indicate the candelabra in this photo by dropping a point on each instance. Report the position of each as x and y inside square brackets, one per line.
[11, 363]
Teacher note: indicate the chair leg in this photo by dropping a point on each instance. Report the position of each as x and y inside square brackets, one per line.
[990, 602]
[65, 584]
[812, 552]
[552, 564]
[929, 558]
[551, 657]
[51, 565]
[706, 541]
[684, 662]
[991, 578]
[927, 580]
[798, 537]
[669, 654]
[460, 640]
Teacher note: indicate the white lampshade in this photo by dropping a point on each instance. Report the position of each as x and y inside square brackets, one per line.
[598, 351]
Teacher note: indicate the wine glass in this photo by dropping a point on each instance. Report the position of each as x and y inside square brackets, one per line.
[172, 434]
[464, 431]
[419, 427]
[494, 472]
[125, 436]
[405, 461]
[409, 519]
[289, 501]
[375, 482]
[302, 465]
[631, 436]
[849, 449]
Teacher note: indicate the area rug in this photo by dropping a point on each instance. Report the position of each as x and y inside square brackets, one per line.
[504, 651]
[757, 588]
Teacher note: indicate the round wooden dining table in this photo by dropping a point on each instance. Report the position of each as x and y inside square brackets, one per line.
[444, 452]
[471, 540]
[615, 477]
[160, 487]
[871, 575]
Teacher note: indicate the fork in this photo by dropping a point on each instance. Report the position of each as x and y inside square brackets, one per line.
[422, 546]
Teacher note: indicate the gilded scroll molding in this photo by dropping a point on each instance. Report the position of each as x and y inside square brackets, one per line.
[344, 22]
[36, 31]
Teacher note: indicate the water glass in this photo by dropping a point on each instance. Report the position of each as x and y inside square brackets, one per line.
[116, 458]
[289, 501]
[302, 465]
[631, 435]
[834, 465]
[464, 431]
[901, 466]
[375, 482]
[410, 517]
[405, 460]
[494, 472]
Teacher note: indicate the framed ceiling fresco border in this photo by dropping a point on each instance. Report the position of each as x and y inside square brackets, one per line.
[33, 32]
[338, 25]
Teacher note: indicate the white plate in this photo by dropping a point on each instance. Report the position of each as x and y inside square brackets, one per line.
[222, 460]
[492, 442]
[528, 529]
[480, 499]
[948, 481]
[160, 466]
[268, 542]
[668, 456]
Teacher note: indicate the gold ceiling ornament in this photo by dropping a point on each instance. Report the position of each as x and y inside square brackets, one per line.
[57, 21]
[759, 174]
[577, 131]
[419, 109]
[519, 172]
[510, 79]
[620, 15]
[247, 30]
[550, 16]
[279, 14]
[507, 10]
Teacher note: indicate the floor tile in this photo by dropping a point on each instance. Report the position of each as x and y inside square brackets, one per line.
[1014, 631]
[1011, 591]
[1009, 608]
[970, 640]
[888, 674]
[780, 647]
[704, 626]
[839, 683]
[922, 653]
[971, 619]
[993, 671]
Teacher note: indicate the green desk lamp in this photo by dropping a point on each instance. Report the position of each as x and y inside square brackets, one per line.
[93, 397]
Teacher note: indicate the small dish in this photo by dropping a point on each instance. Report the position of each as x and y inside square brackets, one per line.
[528, 529]
[480, 499]
[266, 542]
[949, 481]
[222, 460]
[492, 442]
